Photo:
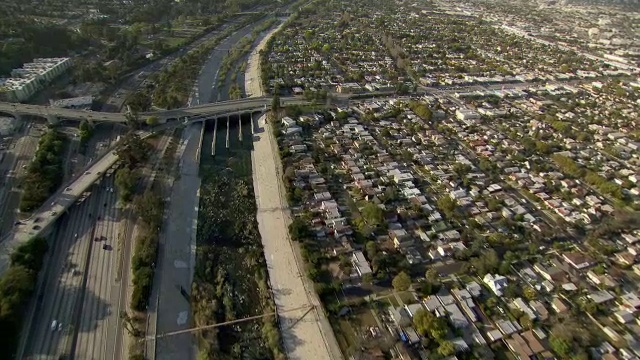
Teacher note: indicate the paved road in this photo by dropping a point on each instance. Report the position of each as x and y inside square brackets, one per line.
[138, 76]
[63, 278]
[177, 252]
[101, 306]
[89, 219]
[210, 90]
[55, 206]
[230, 106]
[13, 166]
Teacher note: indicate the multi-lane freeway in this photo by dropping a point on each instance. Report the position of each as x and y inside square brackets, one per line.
[78, 262]
[85, 283]
[102, 298]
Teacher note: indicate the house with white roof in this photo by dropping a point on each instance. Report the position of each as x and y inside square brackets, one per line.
[497, 283]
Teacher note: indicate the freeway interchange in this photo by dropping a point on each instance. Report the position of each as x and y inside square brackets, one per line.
[83, 287]
[223, 107]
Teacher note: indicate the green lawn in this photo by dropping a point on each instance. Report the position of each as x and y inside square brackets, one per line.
[407, 297]
[346, 336]
[366, 319]
[174, 41]
[393, 301]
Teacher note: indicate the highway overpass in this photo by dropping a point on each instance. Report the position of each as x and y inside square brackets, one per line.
[222, 108]
[41, 220]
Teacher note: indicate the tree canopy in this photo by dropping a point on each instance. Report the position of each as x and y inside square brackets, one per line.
[133, 150]
[372, 214]
[45, 172]
[17, 285]
[299, 230]
[401, 282]
[125, 182]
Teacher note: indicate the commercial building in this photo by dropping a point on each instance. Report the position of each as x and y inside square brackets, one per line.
[25, 81]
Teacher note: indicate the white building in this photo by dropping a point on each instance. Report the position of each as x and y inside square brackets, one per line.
[525, 308]
[497, 283]
[25, 81]
[360, 263]
[466, 114]
[288, 122]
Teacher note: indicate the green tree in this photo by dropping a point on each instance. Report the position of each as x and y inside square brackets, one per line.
[447, 205]
[421, 109]
[367, 278]
[372, 214]
[86, 131]
[401, 282]
[299, 230]
[432, 275]
[487, 262]
[390, 194]
[371, 249]
[153, 120]
[125, 182]
[446, 348]
[30, 255]
[139, 101]
[345, 265]
[275, 102]
[133, 150]
[422, 321]
[526, 322]
[45, 172]
[308, 35]
[561, 345]
[16, 286]
[132, 119]
[150, 208]
[342, 116]
[438, 328]
[529, 293]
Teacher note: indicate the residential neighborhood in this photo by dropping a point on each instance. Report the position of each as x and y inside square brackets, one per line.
[484, 206]
[499, 236]
[476, 195]
[320, 180]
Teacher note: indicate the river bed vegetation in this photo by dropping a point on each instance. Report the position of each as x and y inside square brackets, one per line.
[231, 280]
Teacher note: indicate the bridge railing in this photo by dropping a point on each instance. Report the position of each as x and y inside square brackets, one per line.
[244, 104]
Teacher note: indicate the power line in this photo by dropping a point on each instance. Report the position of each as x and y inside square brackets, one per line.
[205, 327]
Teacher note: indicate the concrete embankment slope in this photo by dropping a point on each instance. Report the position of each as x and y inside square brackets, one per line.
[252, 81]
[306, 335]
[312, 336]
